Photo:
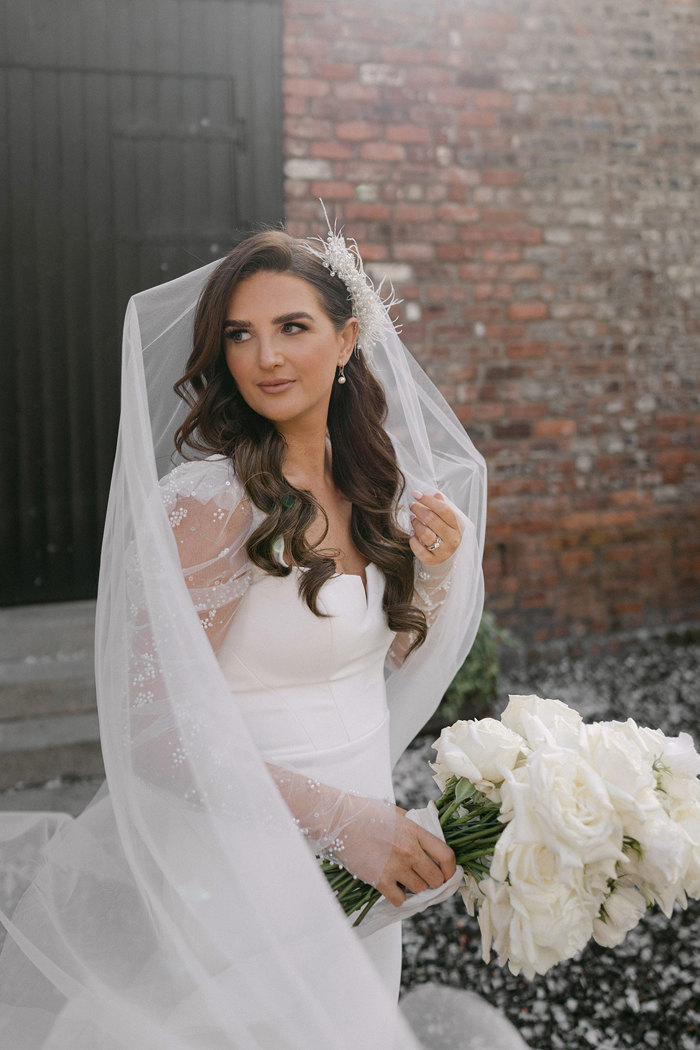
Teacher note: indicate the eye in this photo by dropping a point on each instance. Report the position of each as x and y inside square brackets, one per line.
[292, 327]
[236, 335]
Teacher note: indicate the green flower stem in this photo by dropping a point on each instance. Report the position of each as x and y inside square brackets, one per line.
[448, 812]
[374, 897]
[465, 854]
[475, 868]
[488, 837]
[448, 794]
[348, 890]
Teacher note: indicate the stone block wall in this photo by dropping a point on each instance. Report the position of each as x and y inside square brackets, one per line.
[527, 172]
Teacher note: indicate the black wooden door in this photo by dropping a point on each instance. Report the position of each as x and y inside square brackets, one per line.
[138, 141]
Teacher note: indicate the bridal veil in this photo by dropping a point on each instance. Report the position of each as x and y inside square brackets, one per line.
[184, 910]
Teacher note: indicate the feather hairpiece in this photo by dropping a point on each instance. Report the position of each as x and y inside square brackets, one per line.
[342, 258]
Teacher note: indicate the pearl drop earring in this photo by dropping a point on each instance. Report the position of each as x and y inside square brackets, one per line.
[341, 374]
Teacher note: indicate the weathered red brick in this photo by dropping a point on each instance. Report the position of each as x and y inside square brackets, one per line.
[529, 310]
[407, 133]
[474, 118]
[412, 250]
[486, 410]
[349, 90]
[389, 151]
[457, 213]
[501, 253]
[334, 70]
[493, 99]
[452, 252]
[555, 427]
[294, 66]
[308, 128]
[492, 20]
[502, 177]
[306, 86]
[358, 130]
[413, 212]
[521, 272]
[477, 271]
[295, 105]
[358, 210]
[333, 191]
[332, 150]
[448, 96]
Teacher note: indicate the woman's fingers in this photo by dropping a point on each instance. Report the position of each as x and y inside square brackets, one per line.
[436, 534]
[442, 864]
[393, 893]
[384, 840]
[419, 861]
[434, 511]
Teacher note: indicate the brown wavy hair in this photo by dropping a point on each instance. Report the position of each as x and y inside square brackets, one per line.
[363, 459]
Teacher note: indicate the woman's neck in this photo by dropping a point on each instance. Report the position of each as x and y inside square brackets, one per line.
[307, 461]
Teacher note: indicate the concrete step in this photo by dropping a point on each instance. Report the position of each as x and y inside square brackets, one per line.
[39, 749]
[48, 717]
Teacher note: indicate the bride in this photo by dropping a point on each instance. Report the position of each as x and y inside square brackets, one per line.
[277, 618]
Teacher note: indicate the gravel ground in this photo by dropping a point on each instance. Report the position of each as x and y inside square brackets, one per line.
[646, 992]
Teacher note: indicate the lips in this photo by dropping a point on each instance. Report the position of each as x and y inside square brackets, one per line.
[275, 386]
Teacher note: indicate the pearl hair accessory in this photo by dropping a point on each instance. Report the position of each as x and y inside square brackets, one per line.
[344, 260]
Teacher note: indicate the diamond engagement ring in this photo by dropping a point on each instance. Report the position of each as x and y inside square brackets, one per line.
[434, 546]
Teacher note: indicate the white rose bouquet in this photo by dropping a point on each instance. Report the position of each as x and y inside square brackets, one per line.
[564, 831]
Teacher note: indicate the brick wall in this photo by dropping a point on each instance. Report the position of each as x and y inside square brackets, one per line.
[528, 173]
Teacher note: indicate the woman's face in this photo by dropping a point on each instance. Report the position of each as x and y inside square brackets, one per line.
[282, 349]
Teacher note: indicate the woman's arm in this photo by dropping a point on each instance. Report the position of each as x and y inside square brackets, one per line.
[370, 837]
[211, 547]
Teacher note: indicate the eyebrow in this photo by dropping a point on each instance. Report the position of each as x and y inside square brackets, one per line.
[282, 319]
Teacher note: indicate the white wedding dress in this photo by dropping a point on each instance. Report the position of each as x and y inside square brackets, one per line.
[311, 691]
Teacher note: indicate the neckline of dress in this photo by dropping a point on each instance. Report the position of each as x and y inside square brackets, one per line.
[356, 576]
[344, 575]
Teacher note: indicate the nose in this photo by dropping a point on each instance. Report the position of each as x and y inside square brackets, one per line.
[268, 355]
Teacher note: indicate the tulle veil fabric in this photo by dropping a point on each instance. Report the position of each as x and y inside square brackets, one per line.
[184, 909]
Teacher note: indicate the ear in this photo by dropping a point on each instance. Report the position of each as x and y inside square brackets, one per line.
[348, 335]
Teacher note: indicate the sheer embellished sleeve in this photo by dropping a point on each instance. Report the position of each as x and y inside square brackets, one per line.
[211, 518]
[430, 589]
[209, 521]
[451, 595]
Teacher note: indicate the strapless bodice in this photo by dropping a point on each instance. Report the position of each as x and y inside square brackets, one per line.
[311, 688]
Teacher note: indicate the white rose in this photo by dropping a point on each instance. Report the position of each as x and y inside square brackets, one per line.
[495, 917]
[628, 774]
[622, 910]
[680, 756]
[666, 854]
[470, 893]
[558, 799]
[481, 750]
[541, 721]
[535, 920]
[681, 801]
[677, 753]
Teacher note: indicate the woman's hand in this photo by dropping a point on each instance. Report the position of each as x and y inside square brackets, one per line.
[436, 533]
[416, 859]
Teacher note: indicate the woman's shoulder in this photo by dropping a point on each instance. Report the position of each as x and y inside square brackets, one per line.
[203, 480]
